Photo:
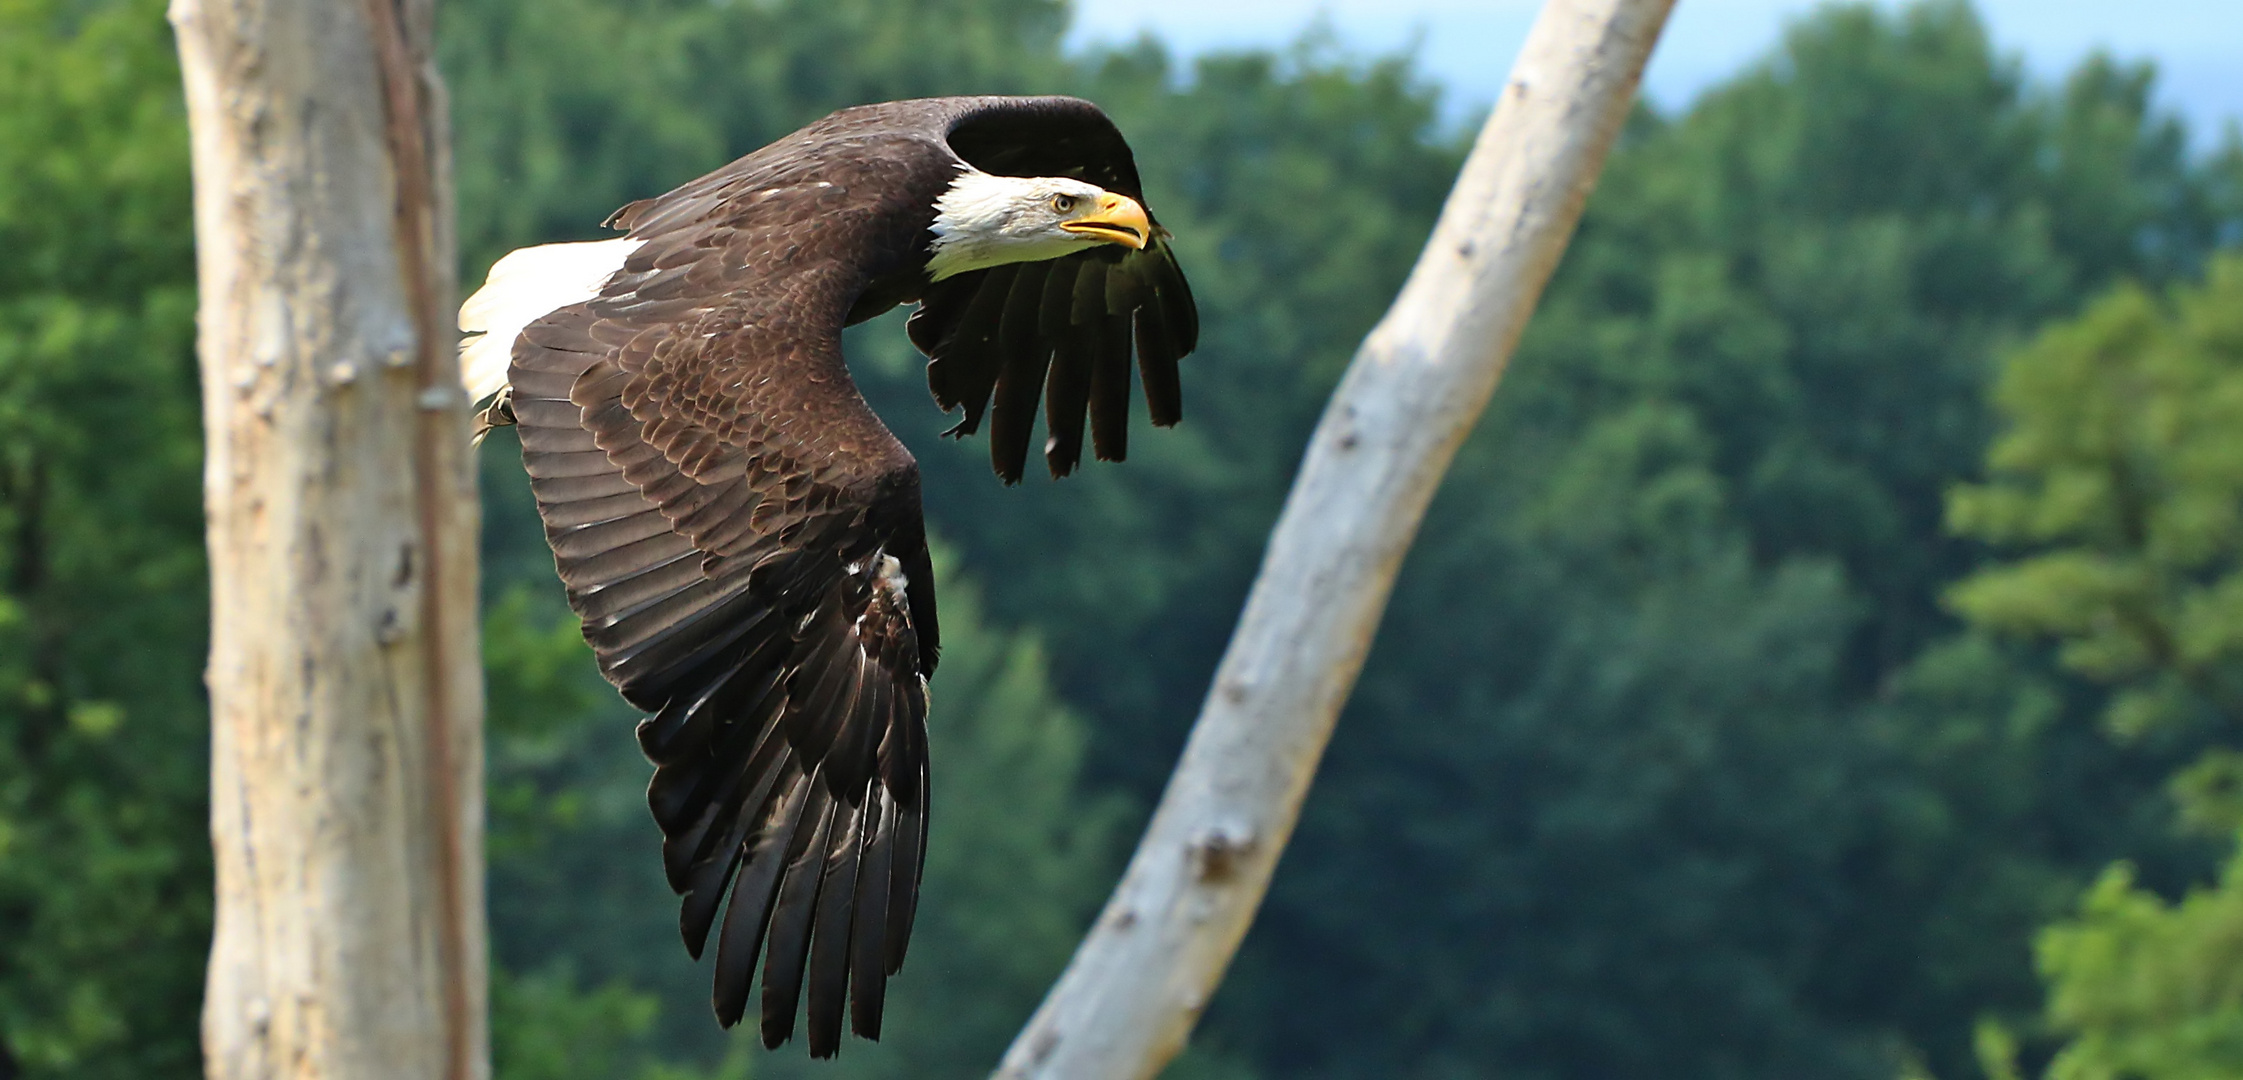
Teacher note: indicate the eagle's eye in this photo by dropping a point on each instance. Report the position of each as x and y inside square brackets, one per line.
[1061, 204]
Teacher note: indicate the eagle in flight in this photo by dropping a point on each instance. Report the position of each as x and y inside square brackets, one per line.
[742, 536]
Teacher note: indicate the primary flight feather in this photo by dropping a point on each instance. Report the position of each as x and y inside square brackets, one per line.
[742, 536]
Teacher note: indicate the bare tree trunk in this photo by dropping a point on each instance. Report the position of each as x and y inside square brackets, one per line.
[1137, 984]
[345, 682]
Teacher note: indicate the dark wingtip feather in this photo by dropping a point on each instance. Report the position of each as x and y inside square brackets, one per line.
[938, 312]
[787, 941]
[700, 861]
[903, 887]
[705, 813]
[1059, 459]
[1021, 359]
[702, 892]
[868, 972]
[1181, 310]
[965, 364]
[752, 896]
[1156, 364]
[1067, 388]
[911, 836]
[829, 943]
[1109, 390]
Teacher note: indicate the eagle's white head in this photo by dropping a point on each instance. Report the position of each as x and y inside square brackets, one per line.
[983, 221]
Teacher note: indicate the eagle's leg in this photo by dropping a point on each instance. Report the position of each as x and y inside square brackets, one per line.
[499, 413]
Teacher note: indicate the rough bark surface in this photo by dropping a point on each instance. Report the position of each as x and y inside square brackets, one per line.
[1137, 984]
[345, 683]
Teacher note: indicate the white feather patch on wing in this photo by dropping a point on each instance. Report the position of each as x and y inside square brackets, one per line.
[521, 287]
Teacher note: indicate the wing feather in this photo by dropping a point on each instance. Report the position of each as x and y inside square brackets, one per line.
[699, 860]
[903, 883]
[753, 900]
[973, 333]
[577, 541]
[632, 596]
[580, 488]
[1067, 398]
[868, 967]
[545, 412]
[1088, 304]
[1109, 389]
[787, 942]
[1023, 355]
[588, 462]
[1156, 367]
[829, 943]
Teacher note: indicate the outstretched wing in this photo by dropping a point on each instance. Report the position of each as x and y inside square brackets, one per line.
[743, 541]
[1059, 329]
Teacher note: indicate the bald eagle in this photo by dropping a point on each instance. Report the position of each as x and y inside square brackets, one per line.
[742, 536]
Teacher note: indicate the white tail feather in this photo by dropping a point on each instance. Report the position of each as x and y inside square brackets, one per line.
[523, 286]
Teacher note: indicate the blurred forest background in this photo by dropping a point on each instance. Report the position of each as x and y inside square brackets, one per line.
[1825, 661]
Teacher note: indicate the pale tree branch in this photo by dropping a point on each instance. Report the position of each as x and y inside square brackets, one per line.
[1128, 1000]
[345, 679]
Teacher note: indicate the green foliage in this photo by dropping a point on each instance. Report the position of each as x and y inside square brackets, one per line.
[544, 1027]
[2120, 472]
[2149, 990]
[104, 875]
[2123, 465]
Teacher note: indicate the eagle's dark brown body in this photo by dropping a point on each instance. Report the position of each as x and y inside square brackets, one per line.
[742, 536]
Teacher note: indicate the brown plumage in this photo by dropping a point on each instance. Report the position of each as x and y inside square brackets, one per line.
[742, 536]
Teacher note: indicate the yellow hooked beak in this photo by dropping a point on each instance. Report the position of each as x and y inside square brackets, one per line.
[1117, 219]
